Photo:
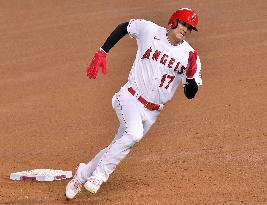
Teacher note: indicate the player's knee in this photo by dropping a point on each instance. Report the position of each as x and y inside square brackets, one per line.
[135, 132]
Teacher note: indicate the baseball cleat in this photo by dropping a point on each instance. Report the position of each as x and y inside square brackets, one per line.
[74, 185]
[92, 185]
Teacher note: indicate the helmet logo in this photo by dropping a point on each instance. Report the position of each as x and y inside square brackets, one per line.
[193, 18]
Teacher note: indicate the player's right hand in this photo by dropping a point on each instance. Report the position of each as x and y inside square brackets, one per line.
[99, 60]
[192, 65]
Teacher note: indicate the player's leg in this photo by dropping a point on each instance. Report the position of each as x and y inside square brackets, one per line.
[131, 131]
[84, 171]
[87, 170]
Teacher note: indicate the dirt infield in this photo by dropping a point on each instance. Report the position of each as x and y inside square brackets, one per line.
[212, 150]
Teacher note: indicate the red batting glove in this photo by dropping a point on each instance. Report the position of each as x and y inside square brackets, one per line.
[192, 65]
[98, 60]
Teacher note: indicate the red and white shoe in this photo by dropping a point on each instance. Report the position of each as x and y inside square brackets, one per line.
[74, 185]
[92, 185]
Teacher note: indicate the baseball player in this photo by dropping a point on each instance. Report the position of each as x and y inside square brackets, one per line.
[163, 60]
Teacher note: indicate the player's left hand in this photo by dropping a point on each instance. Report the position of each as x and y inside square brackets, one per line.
[190, 88]
[99, 60]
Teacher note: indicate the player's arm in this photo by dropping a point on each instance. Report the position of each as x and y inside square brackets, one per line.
[119, 32]
[191, 86]
[100, 56]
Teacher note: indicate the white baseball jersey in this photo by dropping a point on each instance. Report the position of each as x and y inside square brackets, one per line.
[159, 67]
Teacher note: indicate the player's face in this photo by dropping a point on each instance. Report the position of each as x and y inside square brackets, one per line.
[182, 30]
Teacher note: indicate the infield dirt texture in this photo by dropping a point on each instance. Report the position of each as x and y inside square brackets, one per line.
[212, 150]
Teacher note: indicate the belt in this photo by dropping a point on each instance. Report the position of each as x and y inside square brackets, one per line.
[148, 105]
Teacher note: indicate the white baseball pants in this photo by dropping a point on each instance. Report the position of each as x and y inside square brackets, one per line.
[135, 121]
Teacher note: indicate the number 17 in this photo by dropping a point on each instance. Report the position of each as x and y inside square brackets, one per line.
[163, 79]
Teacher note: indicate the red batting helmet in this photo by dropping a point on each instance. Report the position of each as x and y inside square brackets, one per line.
[186, 15]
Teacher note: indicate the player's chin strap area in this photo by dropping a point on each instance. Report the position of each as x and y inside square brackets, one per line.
[149, 105]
